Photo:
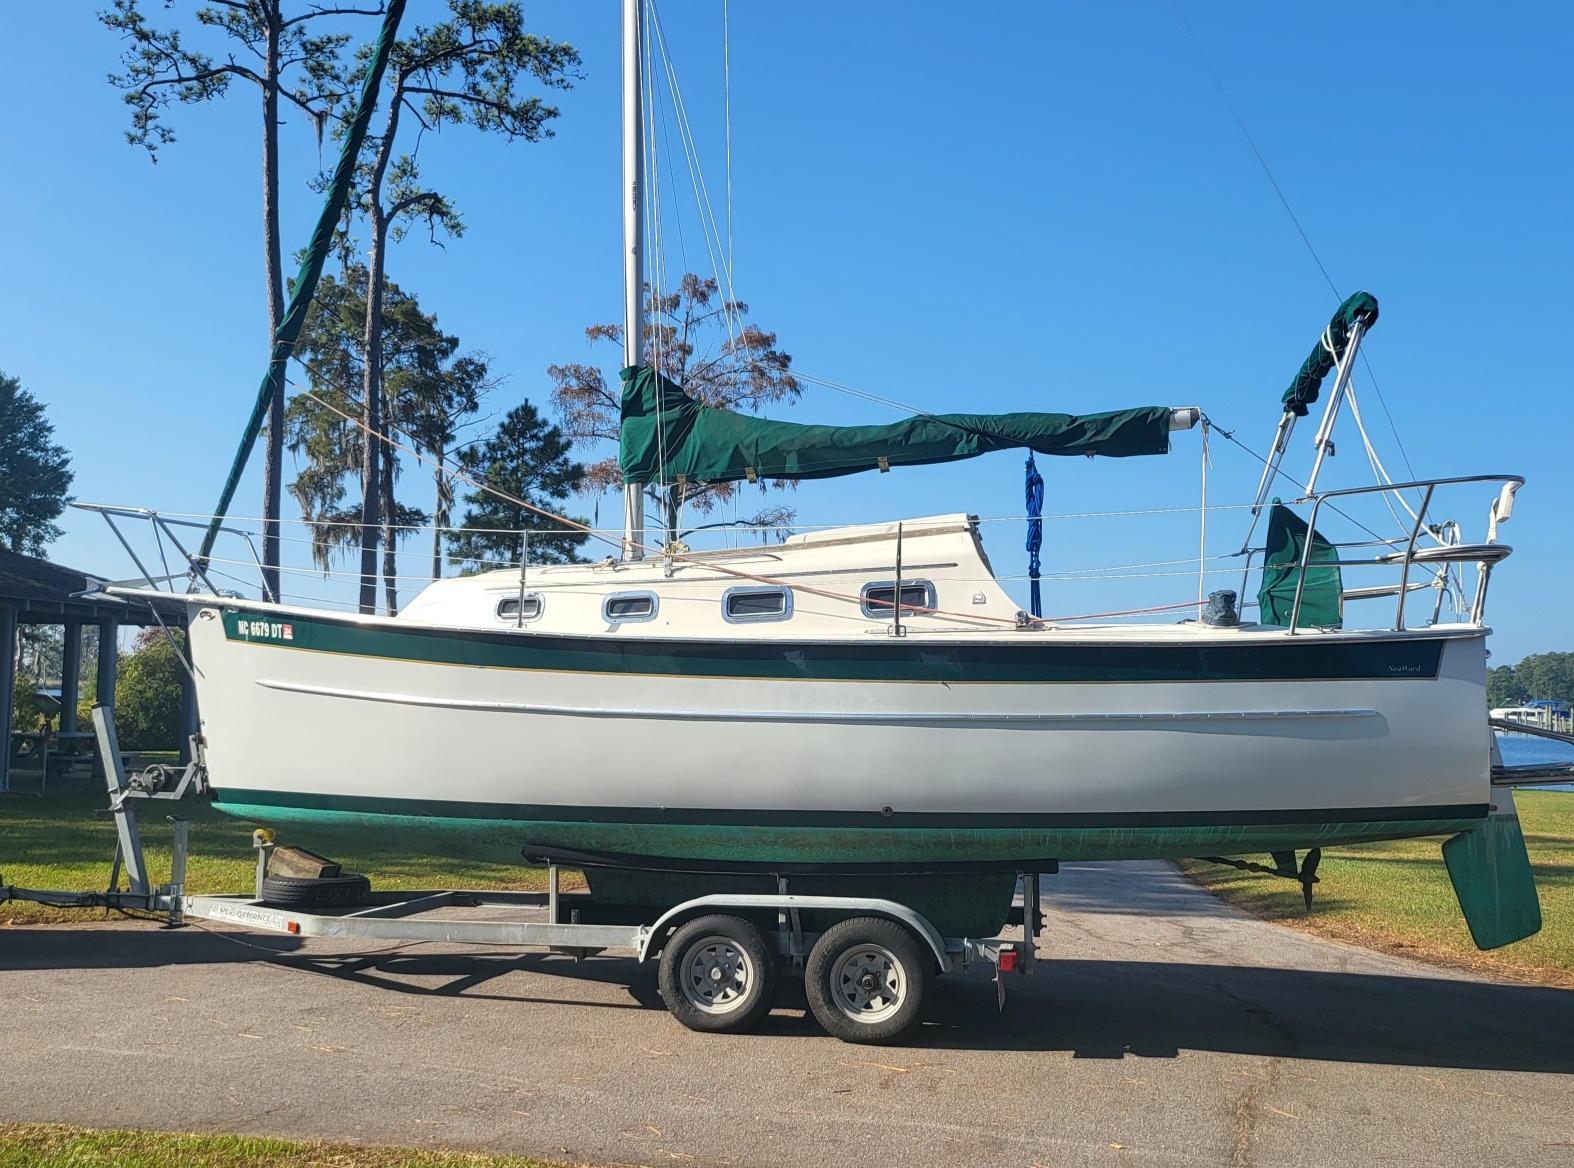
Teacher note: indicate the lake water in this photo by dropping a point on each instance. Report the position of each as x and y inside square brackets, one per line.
[1521, 749]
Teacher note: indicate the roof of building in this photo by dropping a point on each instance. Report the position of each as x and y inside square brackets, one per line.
[41, 591]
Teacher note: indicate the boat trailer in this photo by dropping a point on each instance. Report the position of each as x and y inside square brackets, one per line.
[719, 957]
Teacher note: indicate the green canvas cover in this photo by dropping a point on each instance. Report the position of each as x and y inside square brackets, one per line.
[1320, 601]
[707, 445]
[1309, 381]
[305, 286]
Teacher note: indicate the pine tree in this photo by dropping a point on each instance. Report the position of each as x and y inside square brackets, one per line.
[35, 472]
[290, 66]
[527, 458]
[429, 392]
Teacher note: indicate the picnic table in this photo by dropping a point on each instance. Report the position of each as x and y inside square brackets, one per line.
[59, 752]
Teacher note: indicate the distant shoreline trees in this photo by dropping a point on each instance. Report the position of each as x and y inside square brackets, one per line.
[1539, 677]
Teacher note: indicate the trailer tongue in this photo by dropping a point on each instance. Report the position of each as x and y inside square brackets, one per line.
[867, 960]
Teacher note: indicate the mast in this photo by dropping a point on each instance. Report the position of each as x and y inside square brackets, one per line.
[633, 247]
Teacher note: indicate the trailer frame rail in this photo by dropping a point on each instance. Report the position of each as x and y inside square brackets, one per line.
[425, 915]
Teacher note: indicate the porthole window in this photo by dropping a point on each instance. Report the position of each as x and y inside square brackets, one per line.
[516, 608]
[622, 607]
[747, 605]
[879, 599]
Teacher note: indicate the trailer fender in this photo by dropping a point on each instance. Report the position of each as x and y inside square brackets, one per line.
[862, 905]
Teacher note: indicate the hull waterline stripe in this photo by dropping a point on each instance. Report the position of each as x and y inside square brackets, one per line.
[722, 817]
[1035, 661]
[872, 718]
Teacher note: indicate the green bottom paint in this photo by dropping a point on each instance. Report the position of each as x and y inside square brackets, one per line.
[500, 840]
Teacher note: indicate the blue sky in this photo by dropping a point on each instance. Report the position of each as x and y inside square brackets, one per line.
[991, 207]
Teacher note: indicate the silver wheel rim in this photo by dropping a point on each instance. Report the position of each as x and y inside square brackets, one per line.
[868, 983]
[717, 975]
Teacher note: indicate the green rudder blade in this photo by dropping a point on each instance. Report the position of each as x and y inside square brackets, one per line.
[1490, 870]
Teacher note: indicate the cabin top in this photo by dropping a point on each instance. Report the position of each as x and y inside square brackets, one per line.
[822, 583]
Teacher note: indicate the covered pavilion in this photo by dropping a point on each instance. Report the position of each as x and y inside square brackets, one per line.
[35, 591]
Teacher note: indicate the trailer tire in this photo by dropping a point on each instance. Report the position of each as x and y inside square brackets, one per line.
[717, 975]
[317, 892]
[867, 980]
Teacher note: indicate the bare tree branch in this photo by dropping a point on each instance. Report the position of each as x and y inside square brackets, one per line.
[320, 10]
[197, 78]
[432, 199]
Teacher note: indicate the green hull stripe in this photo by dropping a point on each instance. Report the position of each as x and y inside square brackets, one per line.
[896, 820]
[1033, 660]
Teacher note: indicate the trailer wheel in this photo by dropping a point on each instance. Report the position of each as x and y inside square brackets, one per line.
[717, 975]
[867, 979]
[316, 892]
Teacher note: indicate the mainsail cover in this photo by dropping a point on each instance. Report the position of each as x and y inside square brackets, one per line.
[681, 438]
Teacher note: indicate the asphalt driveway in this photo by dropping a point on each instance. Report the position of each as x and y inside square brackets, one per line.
[1163, 1028]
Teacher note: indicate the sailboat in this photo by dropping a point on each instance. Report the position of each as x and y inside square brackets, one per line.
[866, 698]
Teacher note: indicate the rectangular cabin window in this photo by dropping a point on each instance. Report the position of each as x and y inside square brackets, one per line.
[880, 600]
[629, 606]
[744, 605]
[512, 608]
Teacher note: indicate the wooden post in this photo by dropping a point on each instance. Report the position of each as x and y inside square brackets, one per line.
[7, 691]
[108, 652]
[70, 677]
[190, 719]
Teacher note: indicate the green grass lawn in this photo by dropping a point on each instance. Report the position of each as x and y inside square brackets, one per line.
[1393, 896]
[1396, 896]
[65, 840]
[58, 1146]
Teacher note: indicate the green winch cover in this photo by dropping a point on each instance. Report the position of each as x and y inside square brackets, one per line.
[1304, 389]
[703, 444]
[1321, 600]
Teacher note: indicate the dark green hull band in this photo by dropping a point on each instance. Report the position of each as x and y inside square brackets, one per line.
[497, 833]
[1031, 661]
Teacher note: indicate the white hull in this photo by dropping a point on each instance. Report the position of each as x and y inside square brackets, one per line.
[341, 721]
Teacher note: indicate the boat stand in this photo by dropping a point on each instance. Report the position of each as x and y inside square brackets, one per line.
[549, 920]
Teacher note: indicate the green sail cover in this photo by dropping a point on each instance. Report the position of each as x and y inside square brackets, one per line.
[1321, 605]
[1304, 389]
[707, 445]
